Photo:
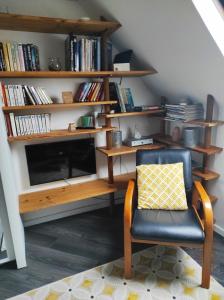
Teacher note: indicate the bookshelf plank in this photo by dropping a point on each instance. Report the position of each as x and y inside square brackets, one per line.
[71, 74]
[123, 150]
[55, 106]
[34, 201]
[205, 123]
[166, 139]
[55, 25]
[57, 134]
[205, 175]
[130, 114]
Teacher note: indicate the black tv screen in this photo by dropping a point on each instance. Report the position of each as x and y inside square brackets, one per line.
[60, 160]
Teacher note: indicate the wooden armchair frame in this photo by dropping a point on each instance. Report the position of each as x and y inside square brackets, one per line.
[206, 221]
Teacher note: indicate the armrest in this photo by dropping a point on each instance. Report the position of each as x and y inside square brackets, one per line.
[128, 205]
[200, 194]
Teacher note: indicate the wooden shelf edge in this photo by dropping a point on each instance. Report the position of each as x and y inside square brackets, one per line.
[71, 74]
[55, 25]
[124, 150]
[57, 105]
[211, 150]
[34, 201]
[130, 114]
[57, 134]
[208, 175]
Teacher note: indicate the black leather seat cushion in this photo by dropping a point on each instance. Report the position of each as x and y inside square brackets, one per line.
[167, 226]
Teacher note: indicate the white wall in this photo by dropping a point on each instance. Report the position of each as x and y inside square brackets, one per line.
[171, 36]
[53, 45]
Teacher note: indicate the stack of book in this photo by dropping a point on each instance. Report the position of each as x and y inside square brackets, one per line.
[27, 125]
[184, 112]
[82, 53]
[19, 57]
[20, 95]
[124, 97]
[89, 92]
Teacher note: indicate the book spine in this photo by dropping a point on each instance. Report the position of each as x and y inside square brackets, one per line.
[33, 60]
[17, 125]
[29, 95]
[6, 57]
[10, 56]
[25, 55]
[29, 57]
[3, 65]
[21, 58]
[37, 58]
[13, 124]
[3, 93]
[8, 125]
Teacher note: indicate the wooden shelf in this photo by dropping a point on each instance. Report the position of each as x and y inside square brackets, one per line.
[205, 123]
[123, 150]
[71, 74]
[55, 106]
[56, 25]
[208, 175]
[35, 201]
[202, 123]
[166, 139]
[57, 134]
[130, 114]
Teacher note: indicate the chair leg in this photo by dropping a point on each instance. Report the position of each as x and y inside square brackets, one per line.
[127, 256]
[206, 267]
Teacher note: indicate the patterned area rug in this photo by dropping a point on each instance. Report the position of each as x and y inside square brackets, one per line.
[161, 273]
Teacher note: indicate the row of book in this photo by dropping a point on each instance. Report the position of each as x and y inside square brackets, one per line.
[89, 92]
[19, 57]
[123, 96]
[82, 53]
[184, 112]
[20, 95]
[27, 125]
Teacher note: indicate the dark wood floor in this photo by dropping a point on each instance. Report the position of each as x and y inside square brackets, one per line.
[64, 247]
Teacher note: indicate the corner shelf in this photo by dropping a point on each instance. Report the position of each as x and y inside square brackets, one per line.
[57, 134]
[131, 114]
[206, 175]
[56, 106]
[72, 74]
[123, 150]
[166, 139]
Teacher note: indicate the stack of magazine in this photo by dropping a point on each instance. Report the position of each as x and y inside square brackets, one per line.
[184, 112]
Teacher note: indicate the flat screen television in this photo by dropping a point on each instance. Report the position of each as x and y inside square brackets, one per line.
[60, 160]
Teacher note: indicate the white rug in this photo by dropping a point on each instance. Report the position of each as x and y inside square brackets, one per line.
[161, 273]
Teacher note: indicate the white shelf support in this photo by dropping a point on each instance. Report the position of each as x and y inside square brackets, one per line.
[9, 204]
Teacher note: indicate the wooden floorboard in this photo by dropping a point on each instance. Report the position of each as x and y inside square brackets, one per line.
[71, 245]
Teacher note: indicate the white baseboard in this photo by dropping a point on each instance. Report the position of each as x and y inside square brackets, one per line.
[218, 229]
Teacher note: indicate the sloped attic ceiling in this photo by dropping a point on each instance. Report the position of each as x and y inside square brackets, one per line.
[170, 36]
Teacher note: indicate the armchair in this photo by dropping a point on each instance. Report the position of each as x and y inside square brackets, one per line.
[188, 228]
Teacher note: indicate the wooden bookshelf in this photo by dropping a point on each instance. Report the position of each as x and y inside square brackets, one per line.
[57, 134]
[72, 74]
[56, 106]
[132, 114]
[34, 201]
[166, 139]
[123, 150]
[56, 25]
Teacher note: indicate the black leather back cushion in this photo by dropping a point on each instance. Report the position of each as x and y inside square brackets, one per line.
[169, 156]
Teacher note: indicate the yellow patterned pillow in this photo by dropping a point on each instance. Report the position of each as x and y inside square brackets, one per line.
[161, 187]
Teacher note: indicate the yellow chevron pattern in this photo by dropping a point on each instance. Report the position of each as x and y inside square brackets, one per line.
[161, 187]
